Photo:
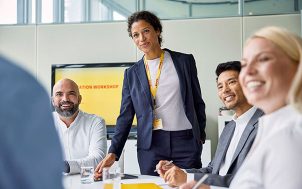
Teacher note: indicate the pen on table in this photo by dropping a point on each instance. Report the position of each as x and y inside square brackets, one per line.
[168, 163]
[200, 181]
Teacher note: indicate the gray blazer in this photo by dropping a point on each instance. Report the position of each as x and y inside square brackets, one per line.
[241, 151]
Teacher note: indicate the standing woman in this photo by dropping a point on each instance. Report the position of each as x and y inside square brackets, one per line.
[271, 78]
[162, 90]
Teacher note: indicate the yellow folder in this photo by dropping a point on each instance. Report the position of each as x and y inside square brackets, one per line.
[140, 186]
[134, 186]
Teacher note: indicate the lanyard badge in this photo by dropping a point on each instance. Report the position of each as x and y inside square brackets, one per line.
[157, 122]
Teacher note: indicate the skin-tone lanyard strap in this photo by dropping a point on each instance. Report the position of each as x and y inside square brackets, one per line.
[154, 88]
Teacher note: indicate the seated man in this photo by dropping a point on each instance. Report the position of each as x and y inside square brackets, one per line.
[82, 135]
[235, 140]
[30, 151]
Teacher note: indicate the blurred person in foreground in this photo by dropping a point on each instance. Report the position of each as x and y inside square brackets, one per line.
[271, 78]
[235, 140]
[30, 153]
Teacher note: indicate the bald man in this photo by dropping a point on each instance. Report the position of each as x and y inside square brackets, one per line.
[82, 135]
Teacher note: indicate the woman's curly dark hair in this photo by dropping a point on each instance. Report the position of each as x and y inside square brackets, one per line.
[148, 17]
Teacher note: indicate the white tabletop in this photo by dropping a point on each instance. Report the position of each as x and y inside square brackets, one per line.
[74, 182]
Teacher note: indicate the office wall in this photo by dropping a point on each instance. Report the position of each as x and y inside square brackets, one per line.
[211, 41]
[19, 44]
[253, 23]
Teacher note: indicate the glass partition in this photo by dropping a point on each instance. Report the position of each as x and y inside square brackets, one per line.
[78, 11]
[192, 9]
[8, 12]
[271, 7]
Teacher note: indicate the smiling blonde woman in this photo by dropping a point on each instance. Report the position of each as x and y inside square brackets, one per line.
[271, 75]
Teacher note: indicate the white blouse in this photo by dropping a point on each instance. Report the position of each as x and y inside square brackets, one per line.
[168, 97]
[274, 160]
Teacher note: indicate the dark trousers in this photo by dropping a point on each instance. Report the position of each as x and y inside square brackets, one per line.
[179, 146]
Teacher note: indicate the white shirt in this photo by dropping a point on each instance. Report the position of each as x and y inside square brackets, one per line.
[84, 143]
[168, 97]
[241, 123]
[274, 160]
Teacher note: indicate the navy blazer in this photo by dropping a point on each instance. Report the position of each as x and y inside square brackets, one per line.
[137, 99]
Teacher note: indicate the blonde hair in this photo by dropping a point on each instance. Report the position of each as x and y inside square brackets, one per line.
[291, 44]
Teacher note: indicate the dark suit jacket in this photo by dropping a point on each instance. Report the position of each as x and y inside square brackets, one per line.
[244, 145]
[137, 99]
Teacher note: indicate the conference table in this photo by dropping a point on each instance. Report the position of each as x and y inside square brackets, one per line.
[74, 182]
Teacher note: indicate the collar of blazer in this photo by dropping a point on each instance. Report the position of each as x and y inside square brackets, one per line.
[143, 80]
[251, 125]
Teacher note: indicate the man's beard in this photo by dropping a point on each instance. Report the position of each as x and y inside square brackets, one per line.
[68, 112]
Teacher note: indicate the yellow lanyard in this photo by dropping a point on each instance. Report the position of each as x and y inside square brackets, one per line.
[154, 89]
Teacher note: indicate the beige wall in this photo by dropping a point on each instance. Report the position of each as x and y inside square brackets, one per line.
[211, 41]
[19, 44]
